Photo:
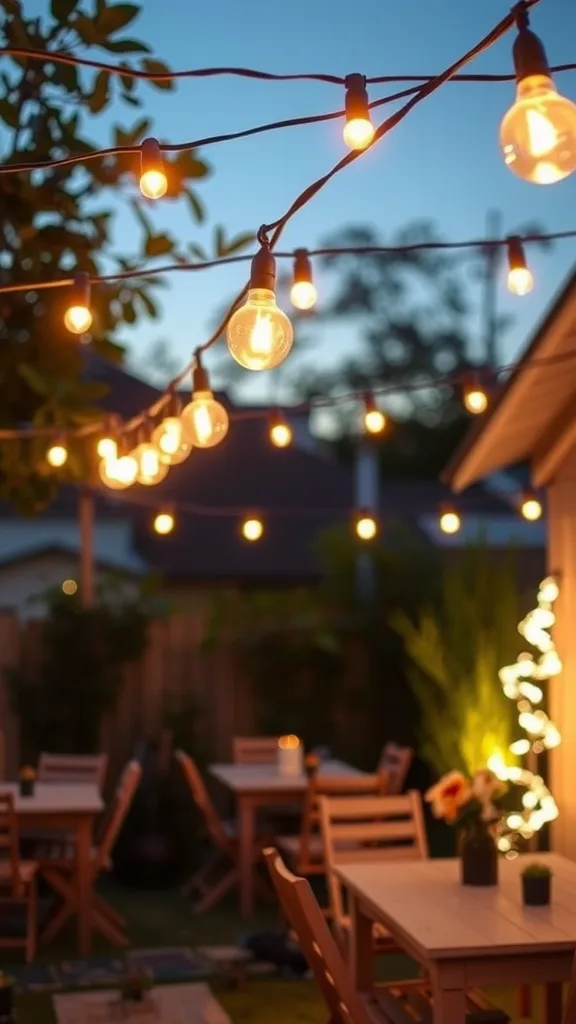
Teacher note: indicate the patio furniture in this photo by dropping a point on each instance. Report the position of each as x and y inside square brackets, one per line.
[570, 1007]
[58, 867]
[90, 769]
[373, 830]
[255, 749]
[221, 871]
[17, 881]
[71, 809]
[255, 787]
[305, 852]
[464, 937]
[396, 761]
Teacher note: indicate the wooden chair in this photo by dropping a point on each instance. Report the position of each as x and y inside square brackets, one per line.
[221, 872]
[17, 880]
[255, 749]
[58, 867]
[570, 1004]
[305, 851]
[369, 829]
[73, 768]
[396, 761]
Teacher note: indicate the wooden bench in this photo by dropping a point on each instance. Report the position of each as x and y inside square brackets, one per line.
[411, 1003]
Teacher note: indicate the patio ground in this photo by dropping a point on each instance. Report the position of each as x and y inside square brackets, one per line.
[165, 919]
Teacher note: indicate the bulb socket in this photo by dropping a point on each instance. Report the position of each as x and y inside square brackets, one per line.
[150, 156]
[263, 270]
[529, 55]
[173, 405]
[516, 256]
[200, 381]
[356, 99]
[80, 291]
[302, 266]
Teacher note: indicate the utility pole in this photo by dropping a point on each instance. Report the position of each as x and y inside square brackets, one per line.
[492, 262]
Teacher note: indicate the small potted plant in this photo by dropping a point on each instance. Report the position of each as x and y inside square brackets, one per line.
[6, 997]
[311, 764]
[27, 779]
[135, 986]
[536, 885]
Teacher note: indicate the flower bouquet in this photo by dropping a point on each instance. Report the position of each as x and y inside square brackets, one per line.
[27, 779]
[474, 807]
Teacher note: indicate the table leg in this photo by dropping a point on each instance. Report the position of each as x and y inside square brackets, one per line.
[553, 1003]
[361, 950]
[246, 854]
[449, 999]
[84, 884]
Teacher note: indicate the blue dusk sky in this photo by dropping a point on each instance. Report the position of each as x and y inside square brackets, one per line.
[442, 163]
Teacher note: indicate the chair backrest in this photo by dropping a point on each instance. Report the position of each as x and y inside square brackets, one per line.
[306, 919]
[201, 797]
[255, 749]
[9, 841]
[396, 761]
[121, 803]
[370, 829]
[73, 768]
[333, 786]
[570, 1003]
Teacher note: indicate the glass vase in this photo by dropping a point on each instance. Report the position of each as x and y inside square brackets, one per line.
[478, 857]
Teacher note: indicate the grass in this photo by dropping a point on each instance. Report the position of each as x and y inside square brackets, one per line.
[166, 919]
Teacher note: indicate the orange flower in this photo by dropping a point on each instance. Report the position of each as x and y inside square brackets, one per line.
[449, 795]
[28, 773]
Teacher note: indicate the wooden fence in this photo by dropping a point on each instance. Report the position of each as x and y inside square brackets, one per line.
[174, 676]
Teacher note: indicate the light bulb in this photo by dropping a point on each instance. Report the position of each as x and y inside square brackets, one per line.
[153, 180]
[118, 474]
[151, 470]
[171, 442]
[259, 334]
[107, 448]
[205, 421]
[280, 431]
[78, 316]
[164, 523]
[57, 455]
[520, 279]
[450, 522]
[475, 400]
[252, 528]
[531, 509]
[366, 526]
[358, 130]
[538, 134]
[303, 294]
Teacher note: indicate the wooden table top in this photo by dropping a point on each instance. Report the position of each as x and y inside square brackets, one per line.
[56, 798]
[247, 778]
[425, 902]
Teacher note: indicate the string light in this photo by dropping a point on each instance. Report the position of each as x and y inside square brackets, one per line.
[474, 397]
[153, 180]
[303, 294]
[520, 278]
[57, 455]
[170, 436]
[119, 473]
[164, 523]
[531, 508]
[539, 806]
[358, 130]
[259, 333]
[280, 430]
[151, 469]
[205, 420]
[78, 316]
[252, 528]
[374, 418]
[69, 587]
[449, 521]
[538, 134]
[365, 525]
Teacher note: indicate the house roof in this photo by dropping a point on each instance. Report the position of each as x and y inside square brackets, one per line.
[40, 551]
[532, 406]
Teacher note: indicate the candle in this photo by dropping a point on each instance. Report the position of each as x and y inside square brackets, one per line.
[289, 756]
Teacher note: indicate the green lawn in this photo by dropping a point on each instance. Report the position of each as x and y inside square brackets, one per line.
[165, 919]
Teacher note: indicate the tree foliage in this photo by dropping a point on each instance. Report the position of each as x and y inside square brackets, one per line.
[60, 220]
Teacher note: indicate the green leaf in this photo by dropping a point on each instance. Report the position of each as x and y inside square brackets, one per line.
[158, 245]
[86, 30]
[196, 206]
[150, 307]
[8, 113]
[198, 252]
[34, 380]
[145, 222]
[134, 135]
[113, 18]
[224, 248]
[190, 166]
[158, 67]
[128, 312]
[99, 98]
[125, 46]
[62, 9]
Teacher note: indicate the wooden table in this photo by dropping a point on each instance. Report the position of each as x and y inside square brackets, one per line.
[71, 808]
[465, 937]
[257, 786]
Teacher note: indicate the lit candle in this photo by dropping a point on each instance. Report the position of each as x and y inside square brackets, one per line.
[290, 759]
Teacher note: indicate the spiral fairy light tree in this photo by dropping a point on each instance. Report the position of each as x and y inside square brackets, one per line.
[522, 682]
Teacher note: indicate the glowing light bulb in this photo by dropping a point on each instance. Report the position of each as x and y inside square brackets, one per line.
[520, 279]
[78, 316]
[69, 587]
[450, 521]
[164, 523]
[280, 431]
[151, 469]
[531, 509]
[358, 130]
[205, 421]
[475, 400]
[538, 134]
[303, 294]
[374, 418]
[107, 448]
[366, 526]
[118, 474]
[171, 441]
[57, 455]
[153, 180]
[259, 334]
[252, 528]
